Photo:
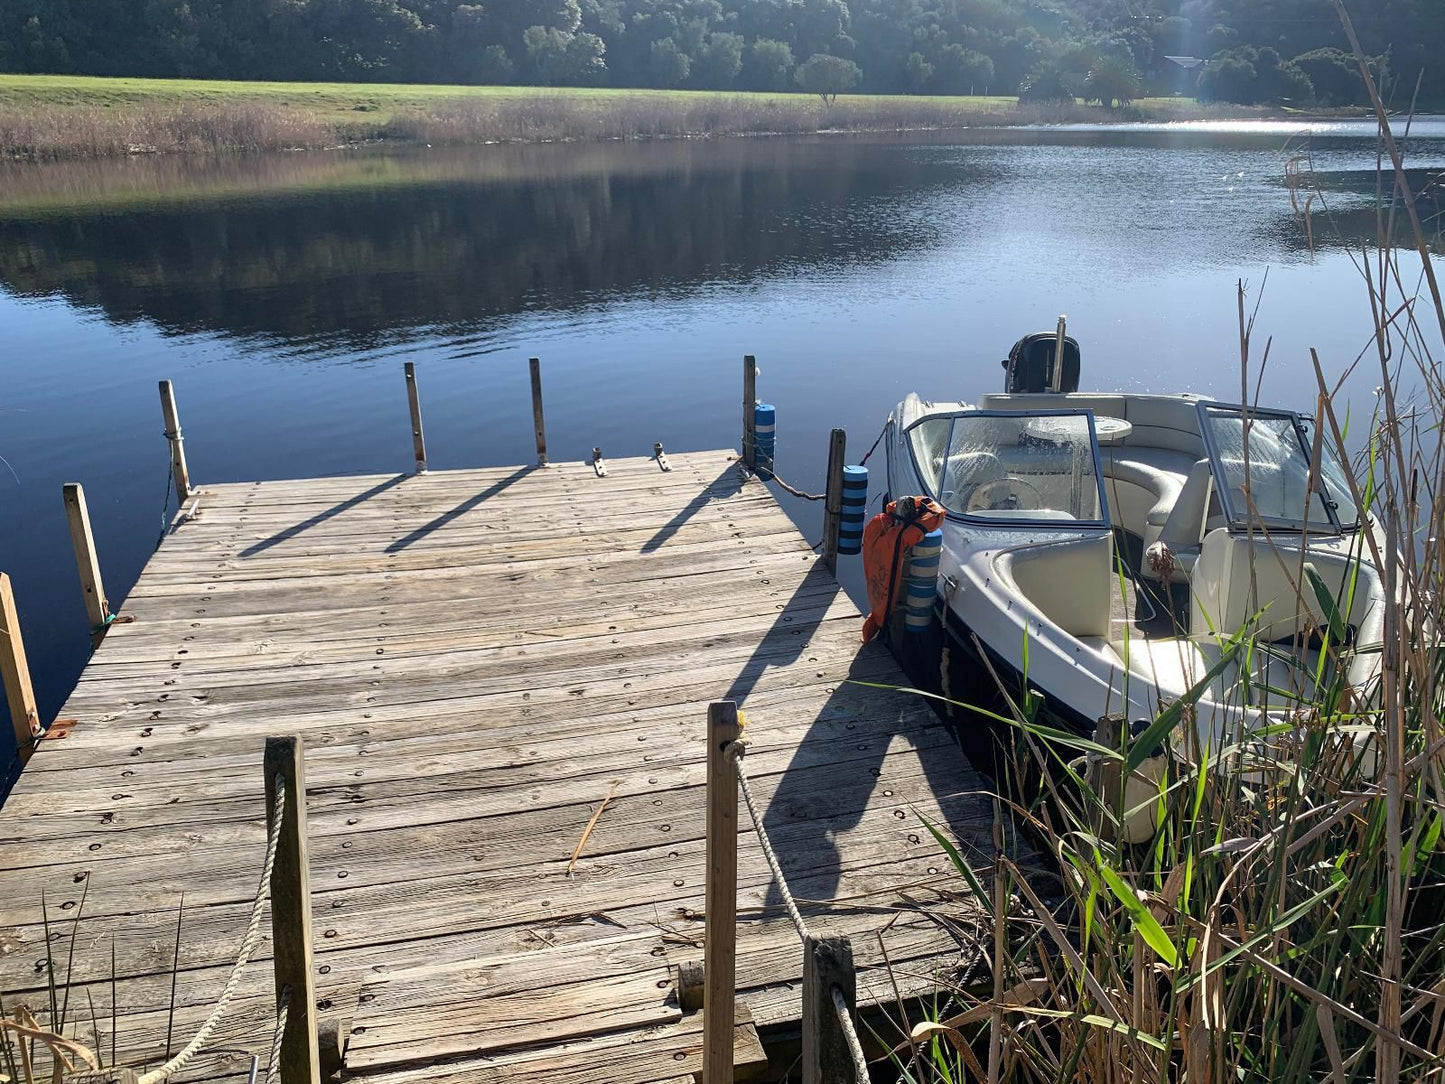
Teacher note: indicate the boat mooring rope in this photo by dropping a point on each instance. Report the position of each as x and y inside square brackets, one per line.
[273, 1067]
[735, 752]
[881, 434]
[243, 957]
[855, 1047]
[798, 492]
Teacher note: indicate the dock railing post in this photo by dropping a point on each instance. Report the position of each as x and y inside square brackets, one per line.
[15, 675]
[750, 400]
[418, 440]
[833, 498]
[97, 606]
[291, 913]
[538, 423]
[827, 963]
[179, 472]
[721, 906]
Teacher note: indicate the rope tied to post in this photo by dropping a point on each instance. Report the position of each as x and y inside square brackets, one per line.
[736, 750]
[881, 434]
[273, 1067]
[850, 1033]
[243, 957]
[786, 488]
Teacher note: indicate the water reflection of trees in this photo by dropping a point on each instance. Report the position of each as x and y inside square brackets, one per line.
[362, 250]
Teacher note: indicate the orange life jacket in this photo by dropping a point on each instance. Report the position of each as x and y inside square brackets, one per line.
[886, 542]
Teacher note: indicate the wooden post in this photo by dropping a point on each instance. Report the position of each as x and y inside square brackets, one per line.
[833, 499]
[335, 1037]
[15, 675]
[691, 982]
[418, 441]
[721, 906]
[291, 913]
[1109, 781]
[750, 400]
[827, 962]
[537, 421]
[97, 606]
[178, 444]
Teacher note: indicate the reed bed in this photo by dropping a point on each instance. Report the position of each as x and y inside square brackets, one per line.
[53, 132]
[1286, 921]
[546, 117]
[33, 131]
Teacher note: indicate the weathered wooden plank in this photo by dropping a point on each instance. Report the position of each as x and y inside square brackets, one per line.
[470, 683]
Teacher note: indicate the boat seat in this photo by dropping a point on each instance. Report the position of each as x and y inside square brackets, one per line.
[1069, 582]
[1173, 536]
[1135, 489]
[1229, 590]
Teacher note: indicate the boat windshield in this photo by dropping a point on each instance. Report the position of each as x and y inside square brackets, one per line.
[1012, 465]
[1274, 485]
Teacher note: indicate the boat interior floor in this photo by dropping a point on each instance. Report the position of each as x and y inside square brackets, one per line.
[1148, 633]
[1139, 608]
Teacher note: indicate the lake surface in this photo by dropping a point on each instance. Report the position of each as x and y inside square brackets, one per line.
[283, 294]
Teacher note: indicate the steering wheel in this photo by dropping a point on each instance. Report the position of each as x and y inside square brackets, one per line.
[1004, 494]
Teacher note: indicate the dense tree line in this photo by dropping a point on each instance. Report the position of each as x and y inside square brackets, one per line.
[1110, 50]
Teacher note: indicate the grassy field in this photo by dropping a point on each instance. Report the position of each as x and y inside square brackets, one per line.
[380, 101]
[45, 116]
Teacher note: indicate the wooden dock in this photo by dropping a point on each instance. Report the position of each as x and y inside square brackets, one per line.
[475, 661]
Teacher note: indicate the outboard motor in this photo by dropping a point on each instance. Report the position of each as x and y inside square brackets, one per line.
[1030, 364]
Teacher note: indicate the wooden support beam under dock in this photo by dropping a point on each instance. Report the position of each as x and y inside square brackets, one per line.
[476, 660]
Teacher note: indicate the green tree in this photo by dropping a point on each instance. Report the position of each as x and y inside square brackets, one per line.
[827, 76]
[769, 65]
[1334, 75]
[1251, 76]
[962, 71]
[918, 72]
[1229, 77]
[1045, 84]
[1112, 82]
[719, 61]
[669, 65]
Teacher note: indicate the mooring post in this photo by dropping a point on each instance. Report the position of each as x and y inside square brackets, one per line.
[178, 445]
[418, 441]
[827, 963]
[537, 421]
[833, 499]
[291, 913]
[721, 906]
[15, 675]
[97, 606]
[750, 400]
[1110, 780]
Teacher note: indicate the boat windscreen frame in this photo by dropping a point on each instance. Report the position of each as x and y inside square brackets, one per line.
[1103, 524]
[1238, 519]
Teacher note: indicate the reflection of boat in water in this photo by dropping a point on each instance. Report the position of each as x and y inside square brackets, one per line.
[1125, 551]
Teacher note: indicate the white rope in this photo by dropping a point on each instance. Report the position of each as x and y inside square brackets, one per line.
[845, 1018]
[273, 1067]
[735, 752]
[248, 946]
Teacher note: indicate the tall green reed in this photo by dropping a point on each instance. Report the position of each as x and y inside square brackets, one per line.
[1286, 919]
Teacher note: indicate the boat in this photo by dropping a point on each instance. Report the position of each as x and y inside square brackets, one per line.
[1114, 553]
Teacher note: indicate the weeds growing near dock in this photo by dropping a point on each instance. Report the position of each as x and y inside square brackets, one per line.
[1286, 921]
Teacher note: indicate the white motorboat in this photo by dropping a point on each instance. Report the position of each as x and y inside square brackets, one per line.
[1119, 552]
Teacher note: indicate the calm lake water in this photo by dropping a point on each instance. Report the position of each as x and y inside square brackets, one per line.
[283, 294]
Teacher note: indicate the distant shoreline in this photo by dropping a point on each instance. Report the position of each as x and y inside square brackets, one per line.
[74, 117]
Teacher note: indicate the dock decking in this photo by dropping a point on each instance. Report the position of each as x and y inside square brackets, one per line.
[475, 660]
